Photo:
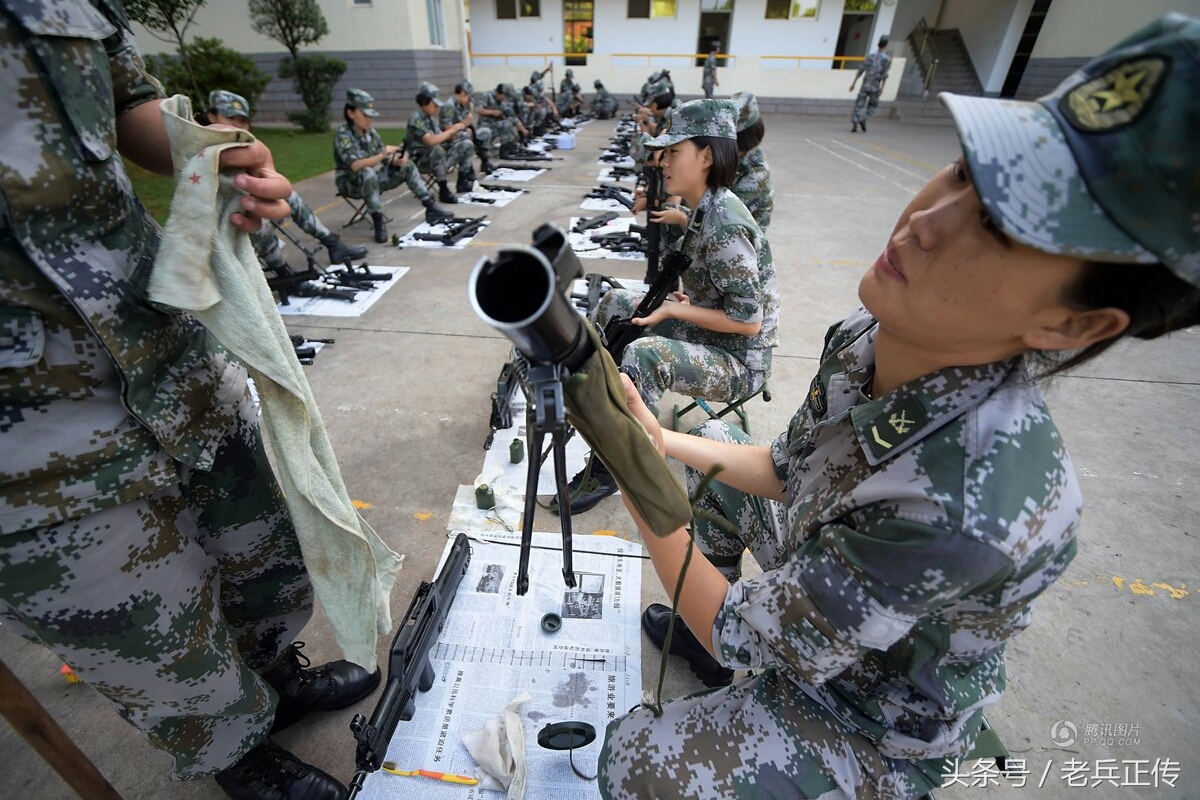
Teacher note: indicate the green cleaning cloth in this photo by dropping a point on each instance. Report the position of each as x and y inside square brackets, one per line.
[207, 267]
[595, 401]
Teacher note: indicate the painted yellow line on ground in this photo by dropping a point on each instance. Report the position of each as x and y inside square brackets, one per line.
[1139, 587]
[360, 504]
[423, 515]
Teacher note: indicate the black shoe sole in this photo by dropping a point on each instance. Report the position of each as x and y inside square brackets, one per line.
[712, 675]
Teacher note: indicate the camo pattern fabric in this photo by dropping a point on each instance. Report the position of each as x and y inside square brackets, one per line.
[709, 77]
[122, 387]
[348, 147]
[662, 360]
[715, 118]
[131, 446]
[753, 187]
[438, 158]
[187, 591]
[918, 528]
[267, 245]
[453, 112]
[502, 128]
[874, 70]
[604, 105]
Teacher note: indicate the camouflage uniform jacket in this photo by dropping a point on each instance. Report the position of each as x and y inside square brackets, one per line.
[876, 67]
[419, 124]
[451, 113]
[710, 69]
[95, 383]
[919, 526]
[732, 270]
[349, 146]
[753, 186]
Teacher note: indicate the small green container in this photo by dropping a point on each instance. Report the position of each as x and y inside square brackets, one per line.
[516, 451]
[485, 498]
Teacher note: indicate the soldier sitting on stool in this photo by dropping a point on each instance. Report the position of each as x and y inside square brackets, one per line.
[227, 108]
[425, 140]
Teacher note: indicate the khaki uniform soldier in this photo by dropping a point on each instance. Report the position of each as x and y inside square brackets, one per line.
[435, 150]
[753, 183]
[462, 109]
[604, 105]
[874, 72]
[365, 166]
[709, 77]
[915, 508]
[143, 537]
[228, 108]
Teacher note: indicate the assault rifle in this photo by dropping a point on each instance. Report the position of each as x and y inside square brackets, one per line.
[620, 242]
[309, 283]
[619, 331]
[457, 229]
[409, 666]
[590, 223]
[653, 177]
[606, 191]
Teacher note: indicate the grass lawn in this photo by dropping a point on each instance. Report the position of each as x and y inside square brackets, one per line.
[298, 155]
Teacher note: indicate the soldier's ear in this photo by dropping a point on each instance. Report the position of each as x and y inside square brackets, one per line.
[1078, 329]
[706, 157]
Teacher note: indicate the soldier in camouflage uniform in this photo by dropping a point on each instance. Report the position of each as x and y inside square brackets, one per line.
[915, 507]
[364, 166]
[436, 150]
[709, 77]
[462, 109]
[714, 339]
[753, 184]
[228, 108]
[499, 115]
[874, 72]
[604, 105]
[143, 537]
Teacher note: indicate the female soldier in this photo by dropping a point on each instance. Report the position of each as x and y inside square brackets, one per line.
[713, 339]
[753, 182]
[921, 496]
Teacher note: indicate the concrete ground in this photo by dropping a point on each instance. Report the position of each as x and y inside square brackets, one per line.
[405, 394]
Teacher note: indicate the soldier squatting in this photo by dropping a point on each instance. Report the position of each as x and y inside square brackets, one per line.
[918, 502]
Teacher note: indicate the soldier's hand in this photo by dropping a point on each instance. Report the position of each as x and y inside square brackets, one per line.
[266, 190]
[388, 149]
[669, 216]
[639, 201]
[643, 414]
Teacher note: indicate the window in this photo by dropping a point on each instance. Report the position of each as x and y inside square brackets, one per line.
[508, 9]
[437, 23]
[577, 31]
[716, 5]
[792, 9]
[645, 9]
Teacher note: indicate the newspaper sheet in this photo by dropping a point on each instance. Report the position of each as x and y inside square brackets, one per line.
[492, 648]
[326, 307]
[409, 239]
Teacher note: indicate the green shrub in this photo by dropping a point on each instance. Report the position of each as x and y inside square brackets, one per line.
[216, 67]
[315, 77]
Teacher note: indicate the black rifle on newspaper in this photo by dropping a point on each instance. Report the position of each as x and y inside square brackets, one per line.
[598, 221]
[457, 229]
[409, 667]
[619, 242]
[619, 331]
[309, 283]
[607, 191]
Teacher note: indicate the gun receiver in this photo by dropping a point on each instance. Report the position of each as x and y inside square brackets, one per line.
[409, 667]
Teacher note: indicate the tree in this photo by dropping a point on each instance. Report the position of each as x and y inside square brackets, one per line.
[293, 23]
[289, 22]
[215, 67]
[168, 16]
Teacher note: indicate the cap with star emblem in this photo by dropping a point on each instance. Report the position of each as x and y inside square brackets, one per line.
[228, 104]
[362, 101]
[1104, 167]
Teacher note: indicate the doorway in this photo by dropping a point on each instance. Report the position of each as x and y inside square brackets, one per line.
[716, 20]
[854, 38]
[578, 18]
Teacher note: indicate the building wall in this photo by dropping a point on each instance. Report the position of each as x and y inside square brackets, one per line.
[990, 31]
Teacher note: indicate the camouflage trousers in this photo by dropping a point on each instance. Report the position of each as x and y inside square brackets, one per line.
[604, 109]
[663, 360]
[369, 182]
[501, 130]
[438, 159]
[865, 104]
[708, 90]
[167, 604]
[482, 142]
[762, 736]
[268, 246]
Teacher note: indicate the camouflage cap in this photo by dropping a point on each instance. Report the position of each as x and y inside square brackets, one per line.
[509, 90]
[696, 118]
[468, 87]
[431, 90]
[747, 106]
[570, 73]
[597, 84]
[659, 87]
[655, 77]
[362, 101]
[228, 104]
[535, 76]
[1103, 168]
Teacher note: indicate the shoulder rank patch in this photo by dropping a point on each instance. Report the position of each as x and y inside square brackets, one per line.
[889, 431]
[1116, 98]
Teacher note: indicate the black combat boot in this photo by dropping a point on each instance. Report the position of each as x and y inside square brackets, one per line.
[585, 494]
[508, 149]
[340, 252]
[327, 688]
[466, 181]
[380, 228]
[684, 643]
[268, 772]
[444, 193]
[486, 166]
[433, 212]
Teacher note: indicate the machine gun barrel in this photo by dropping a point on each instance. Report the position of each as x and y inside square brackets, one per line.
[409, 667]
